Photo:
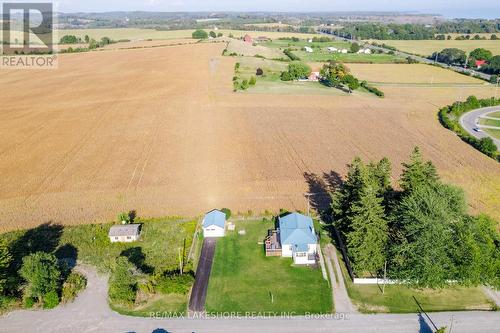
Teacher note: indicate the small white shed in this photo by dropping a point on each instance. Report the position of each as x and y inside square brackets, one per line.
[124, 233]
[214, 224]
[308, 49]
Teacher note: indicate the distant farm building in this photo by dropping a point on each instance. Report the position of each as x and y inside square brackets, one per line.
[365, 51]
[214, 224]
[480, 63]
[262, 39]
[308, 49]
[248, 39]
[314, 76]
[124, 233]
[332, 49]
[343, 51]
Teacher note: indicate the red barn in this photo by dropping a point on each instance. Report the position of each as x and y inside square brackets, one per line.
[480, 63]
[248, 39]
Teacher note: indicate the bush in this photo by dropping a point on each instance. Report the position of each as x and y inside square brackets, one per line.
[226, 211]
[252, 81]
[200, 34]
[244, 85]
[28, 302]
[259, 72]
[50, 300]
[174, 284]
[122, 284]
[372, 89]
[290, 55]
[72, 286]
[296, 70]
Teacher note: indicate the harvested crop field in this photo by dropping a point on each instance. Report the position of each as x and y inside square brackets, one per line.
[159, 130]
[414, 73]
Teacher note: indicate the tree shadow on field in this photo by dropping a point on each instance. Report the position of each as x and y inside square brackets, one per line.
[320, 190]
[44, 238]
[138, 258]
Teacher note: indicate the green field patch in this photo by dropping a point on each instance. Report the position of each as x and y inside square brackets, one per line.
[493, 132]
[243, 279]
[489, 122]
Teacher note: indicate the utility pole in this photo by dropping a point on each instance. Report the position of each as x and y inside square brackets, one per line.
[308, 199]
[180, 262]
[385, 276]
[496, 89]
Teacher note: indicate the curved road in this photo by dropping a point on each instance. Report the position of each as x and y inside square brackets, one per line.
[90, 313]
[470, 119]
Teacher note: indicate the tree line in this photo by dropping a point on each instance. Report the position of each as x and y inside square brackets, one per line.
[421, 233]
[411, 31]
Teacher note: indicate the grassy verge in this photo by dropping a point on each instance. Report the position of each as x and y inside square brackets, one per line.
[166, 305]
[324, 56]
[490, 122]
[243, 279]
[399, 298]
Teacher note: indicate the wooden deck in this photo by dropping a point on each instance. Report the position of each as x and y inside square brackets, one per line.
[272, 244]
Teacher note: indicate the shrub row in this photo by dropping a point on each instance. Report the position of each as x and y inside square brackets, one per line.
[449, 117]
[291, 55]
[372, 89]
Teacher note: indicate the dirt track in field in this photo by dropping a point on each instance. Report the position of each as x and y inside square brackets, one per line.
[160, 131]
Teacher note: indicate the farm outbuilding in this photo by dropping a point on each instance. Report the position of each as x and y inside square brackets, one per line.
[248, 39]
[308, 49]
[214, 224]
[124, 233]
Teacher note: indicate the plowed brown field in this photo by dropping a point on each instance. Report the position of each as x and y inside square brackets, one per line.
[160, 131]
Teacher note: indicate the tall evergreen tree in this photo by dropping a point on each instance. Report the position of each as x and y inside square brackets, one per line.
[368, 239]
[426, 216]
[417, 172]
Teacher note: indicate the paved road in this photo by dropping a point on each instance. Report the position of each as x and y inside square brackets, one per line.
[469, 121]
[199, 292]
[91, 313]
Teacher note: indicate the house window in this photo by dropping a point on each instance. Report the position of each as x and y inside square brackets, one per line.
[128, 237]
[300, 254]
[116, 238]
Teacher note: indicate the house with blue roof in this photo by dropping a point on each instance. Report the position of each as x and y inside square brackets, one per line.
[297, 239]
[214, 224]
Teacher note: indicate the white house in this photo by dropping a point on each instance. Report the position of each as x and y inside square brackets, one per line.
[365, 51]
[332, 49]
[124, 233]
[214, 224]
[308, 49]
[343, 51]
[295, 238]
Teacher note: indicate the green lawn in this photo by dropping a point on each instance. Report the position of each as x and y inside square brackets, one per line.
[323, 56]
[243, 278]
[495, 114]
[283, 44]
[490, 122]
[399, 299]
[493, 132]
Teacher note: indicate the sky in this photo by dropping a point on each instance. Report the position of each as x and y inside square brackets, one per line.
[448, 8]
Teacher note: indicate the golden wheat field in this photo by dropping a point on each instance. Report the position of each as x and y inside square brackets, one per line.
[406, 73]
[159, 130]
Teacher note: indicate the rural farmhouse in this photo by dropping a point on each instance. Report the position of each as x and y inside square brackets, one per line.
[295, 237]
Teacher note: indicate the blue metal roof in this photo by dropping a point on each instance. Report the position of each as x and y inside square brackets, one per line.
[215, 217]
[297, 230]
